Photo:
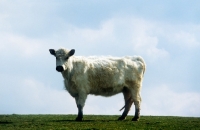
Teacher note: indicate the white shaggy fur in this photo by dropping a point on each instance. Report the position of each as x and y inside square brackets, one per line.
[104, 76]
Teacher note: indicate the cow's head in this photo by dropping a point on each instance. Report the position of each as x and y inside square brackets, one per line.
[62, 57]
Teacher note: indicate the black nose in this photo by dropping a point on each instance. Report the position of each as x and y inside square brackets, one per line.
[59, 68]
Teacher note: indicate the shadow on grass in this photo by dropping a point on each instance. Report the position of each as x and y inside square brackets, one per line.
[84, 121]
[72, 121]
[5, 122]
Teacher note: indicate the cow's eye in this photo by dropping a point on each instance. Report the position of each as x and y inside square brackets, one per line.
[66, 58]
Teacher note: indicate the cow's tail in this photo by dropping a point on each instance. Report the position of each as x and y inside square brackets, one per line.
[129, 100]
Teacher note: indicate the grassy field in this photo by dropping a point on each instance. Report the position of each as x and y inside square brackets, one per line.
[62, 122]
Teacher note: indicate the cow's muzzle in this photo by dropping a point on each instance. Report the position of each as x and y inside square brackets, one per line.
[59, 68]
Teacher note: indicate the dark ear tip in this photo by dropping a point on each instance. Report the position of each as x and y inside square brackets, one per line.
[52, 51]
[72, 51]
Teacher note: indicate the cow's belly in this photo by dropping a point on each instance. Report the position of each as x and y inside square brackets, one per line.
[106, 91]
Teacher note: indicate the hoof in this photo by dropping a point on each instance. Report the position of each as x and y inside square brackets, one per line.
[135, 119]
[78, 119]
[121, 118]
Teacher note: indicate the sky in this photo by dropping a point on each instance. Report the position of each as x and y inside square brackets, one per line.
[165, 33]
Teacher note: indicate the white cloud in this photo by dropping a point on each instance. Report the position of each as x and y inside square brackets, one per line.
[184, 36]
[29, 96]
[147, 45]
[20, 45]
[136, 35]
[166, 102]
[91, 36]
[142, 36]
[185, 39]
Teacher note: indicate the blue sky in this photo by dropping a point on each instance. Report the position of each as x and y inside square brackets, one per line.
[164, 33]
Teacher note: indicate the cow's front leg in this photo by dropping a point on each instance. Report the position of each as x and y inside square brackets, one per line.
[80, 102]
[80, 113]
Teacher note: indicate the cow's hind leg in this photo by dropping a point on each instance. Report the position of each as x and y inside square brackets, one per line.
[135, 94]
[128, 103]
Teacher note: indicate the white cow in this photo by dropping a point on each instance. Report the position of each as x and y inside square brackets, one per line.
[105, 76]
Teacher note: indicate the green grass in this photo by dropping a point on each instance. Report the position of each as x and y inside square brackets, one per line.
[62, 122]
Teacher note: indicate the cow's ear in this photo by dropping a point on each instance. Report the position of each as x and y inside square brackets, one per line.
[52, 51]
[71, 53]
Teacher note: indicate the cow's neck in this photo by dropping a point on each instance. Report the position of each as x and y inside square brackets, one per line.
[67, 74]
